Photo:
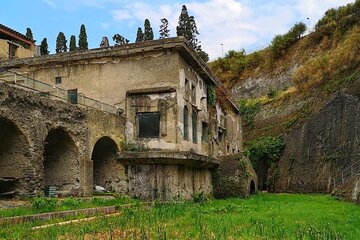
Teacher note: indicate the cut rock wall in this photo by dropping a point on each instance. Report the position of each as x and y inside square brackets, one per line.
[315, 152]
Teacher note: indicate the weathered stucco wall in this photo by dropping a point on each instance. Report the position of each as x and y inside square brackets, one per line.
[168, 182]
[108, 79]
[321, 148]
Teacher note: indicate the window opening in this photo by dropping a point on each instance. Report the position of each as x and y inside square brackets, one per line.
[149, 124]
[194, 127]
[186, 123]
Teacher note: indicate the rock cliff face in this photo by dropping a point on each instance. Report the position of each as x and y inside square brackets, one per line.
[322, 147]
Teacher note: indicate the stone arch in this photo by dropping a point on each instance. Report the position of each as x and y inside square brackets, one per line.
[61, 161]
[15, 166]
[252, 187]
[108, 172]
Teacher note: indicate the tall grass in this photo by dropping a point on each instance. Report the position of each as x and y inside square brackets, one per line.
[263, 216]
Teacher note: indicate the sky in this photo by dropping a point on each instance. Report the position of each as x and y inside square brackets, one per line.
[223, 24]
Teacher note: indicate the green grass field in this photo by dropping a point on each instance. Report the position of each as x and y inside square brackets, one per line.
[263, 216]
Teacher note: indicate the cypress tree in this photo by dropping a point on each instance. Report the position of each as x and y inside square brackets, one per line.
[83, 43]
[148, 32]
[61, 43]
[164, 28]
[139, 35]
[44, 47]
[72, 46]
[29, 33]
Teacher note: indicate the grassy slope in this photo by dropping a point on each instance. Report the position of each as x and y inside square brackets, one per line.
[326, 61]
[282, 216]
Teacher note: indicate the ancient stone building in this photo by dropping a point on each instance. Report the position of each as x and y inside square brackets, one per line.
[14, 44]
[171, 127]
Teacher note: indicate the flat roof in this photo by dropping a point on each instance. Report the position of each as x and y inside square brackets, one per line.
[179, 44]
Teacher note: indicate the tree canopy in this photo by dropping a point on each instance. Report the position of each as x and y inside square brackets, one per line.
[83, 43]
[61, 43]
[164, 28]
[44, 47]
[72, 45]
[120, 40]
[139, 35]
[29, 33]
[148, 31]
[187, 28]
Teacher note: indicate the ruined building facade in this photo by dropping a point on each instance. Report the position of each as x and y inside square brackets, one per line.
[171, 127]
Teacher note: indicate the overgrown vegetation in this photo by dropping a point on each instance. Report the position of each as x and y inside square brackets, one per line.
[134, 147]
[264, 149]
[44, 204]
[211, 96]
[263, 216]
[249, 109]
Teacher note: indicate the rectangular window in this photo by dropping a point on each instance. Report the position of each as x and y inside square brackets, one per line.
[149, 124]
[12, 51]
[57, 80]
[72, 96]
[204, 132]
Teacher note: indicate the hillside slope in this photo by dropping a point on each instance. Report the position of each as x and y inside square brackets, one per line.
[284, 88]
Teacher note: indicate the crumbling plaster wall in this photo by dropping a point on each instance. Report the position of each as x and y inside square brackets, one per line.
[168, 182]
[218, 119]
[165, 104]
[108, 79]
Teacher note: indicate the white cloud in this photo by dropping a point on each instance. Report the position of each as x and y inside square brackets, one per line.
[234, 23]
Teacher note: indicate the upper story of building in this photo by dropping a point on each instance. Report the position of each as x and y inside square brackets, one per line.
[167, 92]
[14, 44]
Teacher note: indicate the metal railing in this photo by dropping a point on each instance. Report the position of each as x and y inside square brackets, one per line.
[54, 92]
[346, 174]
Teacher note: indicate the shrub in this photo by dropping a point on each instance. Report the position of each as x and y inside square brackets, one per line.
[135, 147]
[211, 96]
[265, 149]
[281, 43]
[248, 110]
[45, 204]
[272, 92]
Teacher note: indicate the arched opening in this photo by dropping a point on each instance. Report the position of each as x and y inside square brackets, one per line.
[194, 127]
[61, 162]
[252, 187]
[186, 123]
[15, 165]
[108, 172]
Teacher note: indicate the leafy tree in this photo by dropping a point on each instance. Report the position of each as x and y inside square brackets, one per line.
[29, 33]
[139, 35]
[187, 28]
[148, 31]
[72, 46]
[120, 40]
[204, 56]
[83, 43]
[164, 28]
[61, 43]
[44, 47]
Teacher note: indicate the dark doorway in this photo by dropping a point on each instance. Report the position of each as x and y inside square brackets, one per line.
[252, 187]
[61, 161]
[14, 159]
[108, 172]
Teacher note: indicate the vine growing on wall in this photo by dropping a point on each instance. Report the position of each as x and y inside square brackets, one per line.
[211, 95]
